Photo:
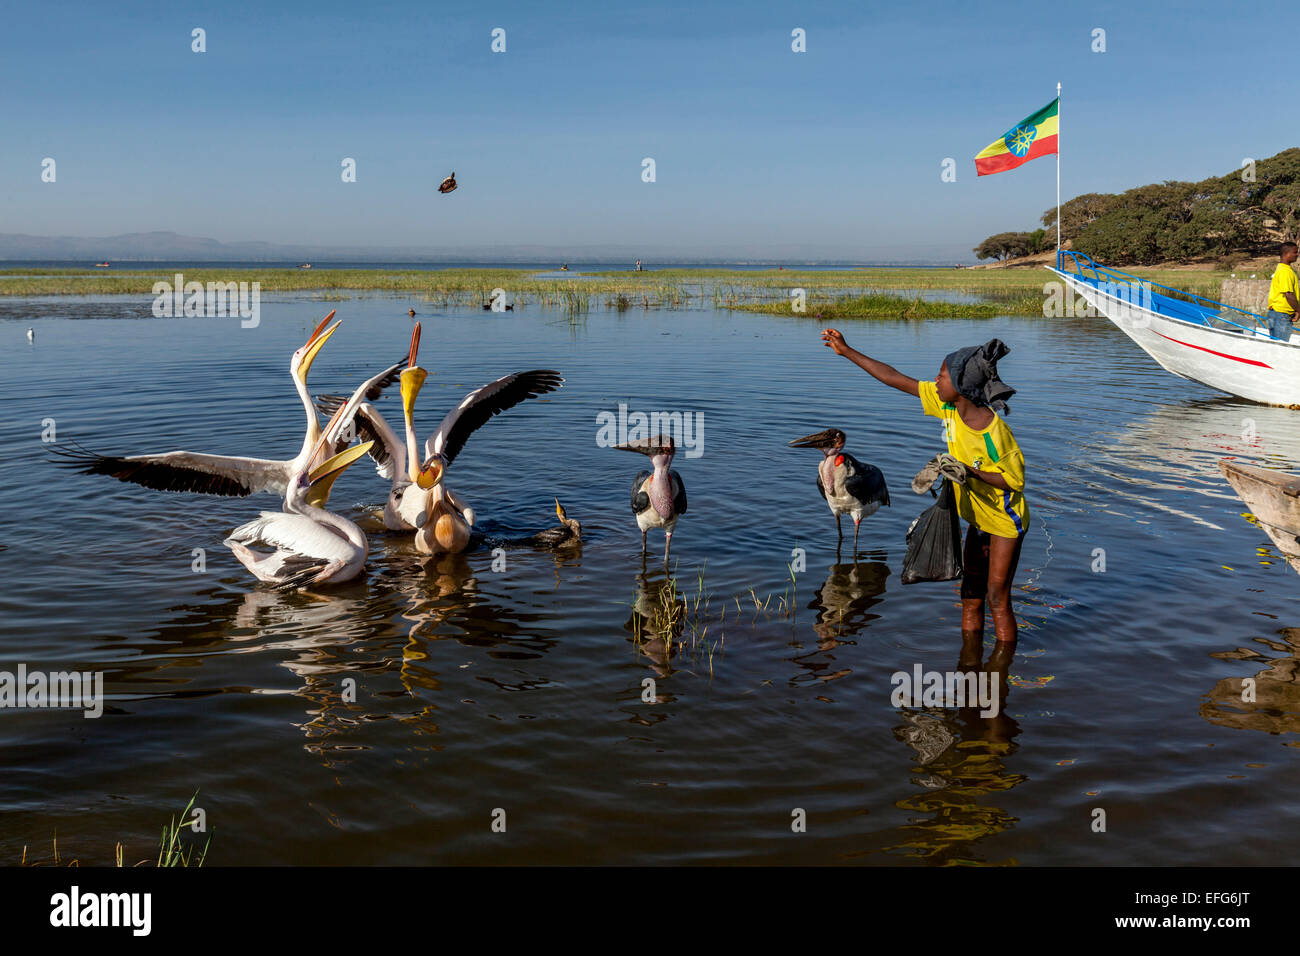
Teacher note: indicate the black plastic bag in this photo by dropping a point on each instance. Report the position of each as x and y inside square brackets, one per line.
[934, 542]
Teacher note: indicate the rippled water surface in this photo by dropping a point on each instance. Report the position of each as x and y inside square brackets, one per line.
[521, 689]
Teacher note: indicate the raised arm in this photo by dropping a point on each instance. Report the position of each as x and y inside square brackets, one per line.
[834, 341]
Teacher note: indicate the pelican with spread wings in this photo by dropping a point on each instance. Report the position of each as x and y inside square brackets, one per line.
[227, 475]
[419, 499]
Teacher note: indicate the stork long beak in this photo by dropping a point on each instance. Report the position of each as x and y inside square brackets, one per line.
[332, 467]
[822, 439]
[648, 450]
[316, 341]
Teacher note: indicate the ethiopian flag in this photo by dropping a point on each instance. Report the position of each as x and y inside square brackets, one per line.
[1032, 137]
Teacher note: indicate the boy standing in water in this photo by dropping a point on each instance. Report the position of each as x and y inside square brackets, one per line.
[966, 394]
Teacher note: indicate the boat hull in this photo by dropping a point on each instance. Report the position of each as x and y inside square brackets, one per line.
[1273, 497]
[1253, 366]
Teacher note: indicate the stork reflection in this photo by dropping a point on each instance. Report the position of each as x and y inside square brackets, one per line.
[657, 620]
[843, 604]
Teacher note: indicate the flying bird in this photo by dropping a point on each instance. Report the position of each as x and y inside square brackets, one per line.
[849, 486]
[448, 184]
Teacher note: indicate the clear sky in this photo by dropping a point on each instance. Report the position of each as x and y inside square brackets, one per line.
[756, 147]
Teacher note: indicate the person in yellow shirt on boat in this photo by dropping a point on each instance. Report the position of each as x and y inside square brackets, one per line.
[967, 394]
[1283, 295]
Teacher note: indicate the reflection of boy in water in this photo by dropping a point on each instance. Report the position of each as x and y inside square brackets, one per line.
[965, 394]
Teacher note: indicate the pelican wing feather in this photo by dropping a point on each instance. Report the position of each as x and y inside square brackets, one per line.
[484, 402]
[181, 471]
[388, 451]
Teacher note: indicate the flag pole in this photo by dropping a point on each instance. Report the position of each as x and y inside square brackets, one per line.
[1058, 175]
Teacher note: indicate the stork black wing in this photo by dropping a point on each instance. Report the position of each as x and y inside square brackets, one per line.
[865, 482]
[482, 403]
[679, 499]
[821, 489]
[640, 500]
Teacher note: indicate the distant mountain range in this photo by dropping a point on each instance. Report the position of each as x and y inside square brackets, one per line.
[172, 247]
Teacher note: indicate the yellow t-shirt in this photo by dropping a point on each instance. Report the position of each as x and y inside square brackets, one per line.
[1003, 513]
[1284, 280]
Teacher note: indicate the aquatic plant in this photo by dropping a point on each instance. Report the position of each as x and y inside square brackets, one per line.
[172, 850]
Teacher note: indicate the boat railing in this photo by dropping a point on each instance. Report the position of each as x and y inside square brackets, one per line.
[1212, 310]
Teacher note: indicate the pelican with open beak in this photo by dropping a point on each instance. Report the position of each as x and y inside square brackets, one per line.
[216, 474]
[312, 546]
[419, 499]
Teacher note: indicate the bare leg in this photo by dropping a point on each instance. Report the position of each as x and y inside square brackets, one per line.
[856, 523]
[974, 586]
[1004, 556]
[668, 543]
[839, 530]
[643, 544]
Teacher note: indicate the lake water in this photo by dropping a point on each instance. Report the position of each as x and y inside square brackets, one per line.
[479, 690]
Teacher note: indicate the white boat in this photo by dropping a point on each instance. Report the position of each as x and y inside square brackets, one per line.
[1218, 345]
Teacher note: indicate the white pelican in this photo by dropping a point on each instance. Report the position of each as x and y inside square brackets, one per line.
[220, 474]
[658, 497]
[419, 500]
[312, 545]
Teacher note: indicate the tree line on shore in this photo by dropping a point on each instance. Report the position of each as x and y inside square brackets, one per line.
[1246, 212]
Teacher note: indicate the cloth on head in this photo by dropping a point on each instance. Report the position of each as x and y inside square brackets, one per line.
[974, 374]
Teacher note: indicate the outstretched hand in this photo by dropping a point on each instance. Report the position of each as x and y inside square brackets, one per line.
[834, 340]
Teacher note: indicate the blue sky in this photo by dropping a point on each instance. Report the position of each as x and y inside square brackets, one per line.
[757, 148]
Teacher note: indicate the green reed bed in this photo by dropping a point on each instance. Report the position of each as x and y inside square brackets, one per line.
[179, 847]
[875, 306]
[837, 293]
